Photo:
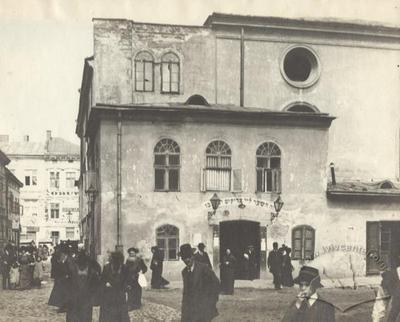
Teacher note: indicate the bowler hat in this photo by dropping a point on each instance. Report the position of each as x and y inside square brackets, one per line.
[185, 251]
[133, 249]
[309, 275]
[201, 246]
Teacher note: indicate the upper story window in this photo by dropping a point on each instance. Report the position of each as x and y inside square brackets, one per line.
[218, 166]
[268, 168]
[168, 241]
[54, 210]
[30, 177]
[70, 179]
[54, 179]
[166, 165]
[144, 72]
[303, 242]
[170, 73]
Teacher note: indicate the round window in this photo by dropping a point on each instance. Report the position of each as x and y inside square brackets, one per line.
[300, 66]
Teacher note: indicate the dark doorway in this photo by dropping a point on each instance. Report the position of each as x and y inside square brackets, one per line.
[383, 245]
[238, 235]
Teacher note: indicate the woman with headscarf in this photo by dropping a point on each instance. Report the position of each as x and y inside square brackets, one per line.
[156, 266]
[228, 272]
[85, 277]
[133, 266]
[113, 307]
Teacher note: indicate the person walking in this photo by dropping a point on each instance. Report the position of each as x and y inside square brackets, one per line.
[38, 269]
[113, 306]
[309, 306]
[201, 255]
[156, 266]
[85, 278]
[228, 266]
[287, 268]
[133, 267]
[200, 288]
[274, 263]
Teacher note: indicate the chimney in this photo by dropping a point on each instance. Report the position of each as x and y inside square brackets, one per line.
[332, 166]
[4, 138]
[26, 138]
[48, 135]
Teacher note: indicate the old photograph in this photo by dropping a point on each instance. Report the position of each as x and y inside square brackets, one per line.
[200, 161]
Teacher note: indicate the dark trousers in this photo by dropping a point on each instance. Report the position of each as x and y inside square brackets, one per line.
[6, 279]
[277, 279]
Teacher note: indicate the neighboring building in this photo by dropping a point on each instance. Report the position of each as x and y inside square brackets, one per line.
[13, 207]
[243, 107]
[49, 199]
[9, 203]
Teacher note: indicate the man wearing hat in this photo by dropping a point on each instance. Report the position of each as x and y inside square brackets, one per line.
[202, 256]
[200, 288]
[309, 306]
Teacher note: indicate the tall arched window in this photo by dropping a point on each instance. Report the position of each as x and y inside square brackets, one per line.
[268, 168]
[167, 240]
[218, 166]
[303, 242]
[170, 77]
[166, 165]
[144, 72]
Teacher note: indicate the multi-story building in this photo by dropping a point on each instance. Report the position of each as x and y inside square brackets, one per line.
[49, 199]
[191, 133]
[9, 203]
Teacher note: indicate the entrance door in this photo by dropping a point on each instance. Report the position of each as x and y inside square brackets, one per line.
[383, 245]
[237, 236]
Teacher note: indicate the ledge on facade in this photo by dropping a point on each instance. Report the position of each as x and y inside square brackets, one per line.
[382, 189]
[230, 114]
[366, 28]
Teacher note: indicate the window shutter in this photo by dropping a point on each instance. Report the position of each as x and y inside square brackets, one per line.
[297, 237]
[202, 180]
[237, 180]
[373, 247]
[308, 243]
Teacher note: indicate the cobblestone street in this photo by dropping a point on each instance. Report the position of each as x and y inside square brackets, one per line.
[247, 305]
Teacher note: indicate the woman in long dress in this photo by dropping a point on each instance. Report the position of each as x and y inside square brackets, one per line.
[287, 268]
[228, 272]
[133, 266]
[25, 270]
[113, 307]
[156, 266]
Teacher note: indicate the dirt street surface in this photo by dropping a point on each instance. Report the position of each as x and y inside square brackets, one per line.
[247, 305]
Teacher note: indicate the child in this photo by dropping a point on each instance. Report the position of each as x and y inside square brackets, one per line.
[14, 275]
[38, 272]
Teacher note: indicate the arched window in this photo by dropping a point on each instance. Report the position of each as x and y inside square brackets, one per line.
[144, 72]
[167, 240]
[218, 166]
[170, 77]
[303, 242]
[197, 100]
[268, 168]
[166, 165]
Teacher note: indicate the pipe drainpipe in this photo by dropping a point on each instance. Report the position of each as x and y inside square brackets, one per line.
[242, 67]
[119, 246]
[332, 166]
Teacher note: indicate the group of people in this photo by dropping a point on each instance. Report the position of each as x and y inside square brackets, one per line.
[80, 283]
[22, 268]
[280, 265]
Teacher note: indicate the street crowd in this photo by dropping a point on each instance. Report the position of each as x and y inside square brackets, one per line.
[80, 283]
[22, 268]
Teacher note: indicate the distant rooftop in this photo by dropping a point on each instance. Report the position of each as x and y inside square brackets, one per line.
[50, 146]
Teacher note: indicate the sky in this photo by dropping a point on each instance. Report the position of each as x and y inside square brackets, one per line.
[43, 44]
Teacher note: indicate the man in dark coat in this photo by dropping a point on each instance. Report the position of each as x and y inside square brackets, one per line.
[275, 265]
[202, 256]
[309, 306]
[200, 289]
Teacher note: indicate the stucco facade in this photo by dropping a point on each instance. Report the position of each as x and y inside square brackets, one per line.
[239, 65]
